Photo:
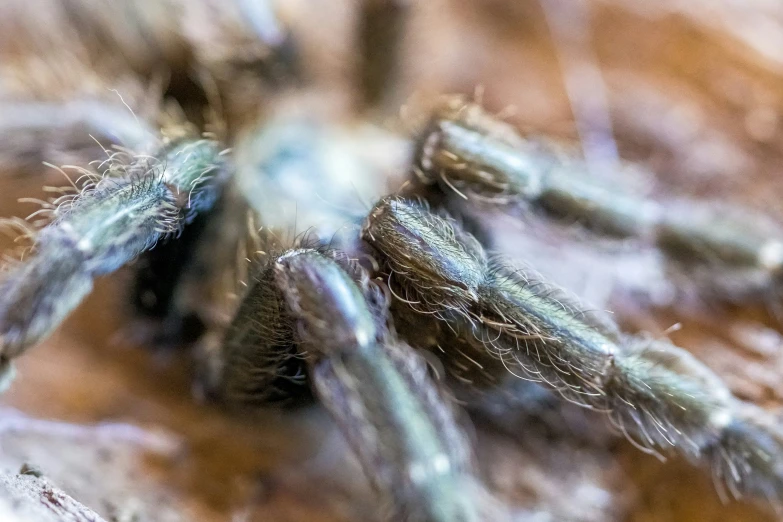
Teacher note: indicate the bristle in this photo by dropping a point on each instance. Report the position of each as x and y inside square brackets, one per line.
[259, 360]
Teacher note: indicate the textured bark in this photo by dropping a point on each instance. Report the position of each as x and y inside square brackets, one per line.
[25, 498]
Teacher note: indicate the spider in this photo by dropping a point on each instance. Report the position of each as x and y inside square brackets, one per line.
[392, 304]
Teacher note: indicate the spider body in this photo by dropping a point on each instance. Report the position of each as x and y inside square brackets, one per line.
[319, 313]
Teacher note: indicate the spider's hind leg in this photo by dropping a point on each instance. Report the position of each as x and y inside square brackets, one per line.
[380, 35]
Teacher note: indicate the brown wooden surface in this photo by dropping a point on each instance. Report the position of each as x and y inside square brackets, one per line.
[693, 96]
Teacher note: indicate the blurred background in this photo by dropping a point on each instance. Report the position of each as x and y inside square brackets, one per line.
[689, 90]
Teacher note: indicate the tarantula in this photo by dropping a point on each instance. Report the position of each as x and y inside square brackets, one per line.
[347, 310]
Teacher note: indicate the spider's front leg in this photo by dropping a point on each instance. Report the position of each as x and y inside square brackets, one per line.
[515, 321]
[105, 225]
[306, 309]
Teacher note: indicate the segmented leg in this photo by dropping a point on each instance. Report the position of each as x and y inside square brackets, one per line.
[106, 225]
[381, 31]
[305, 307]
[489, 391]
[655, 392]
[469, 152]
